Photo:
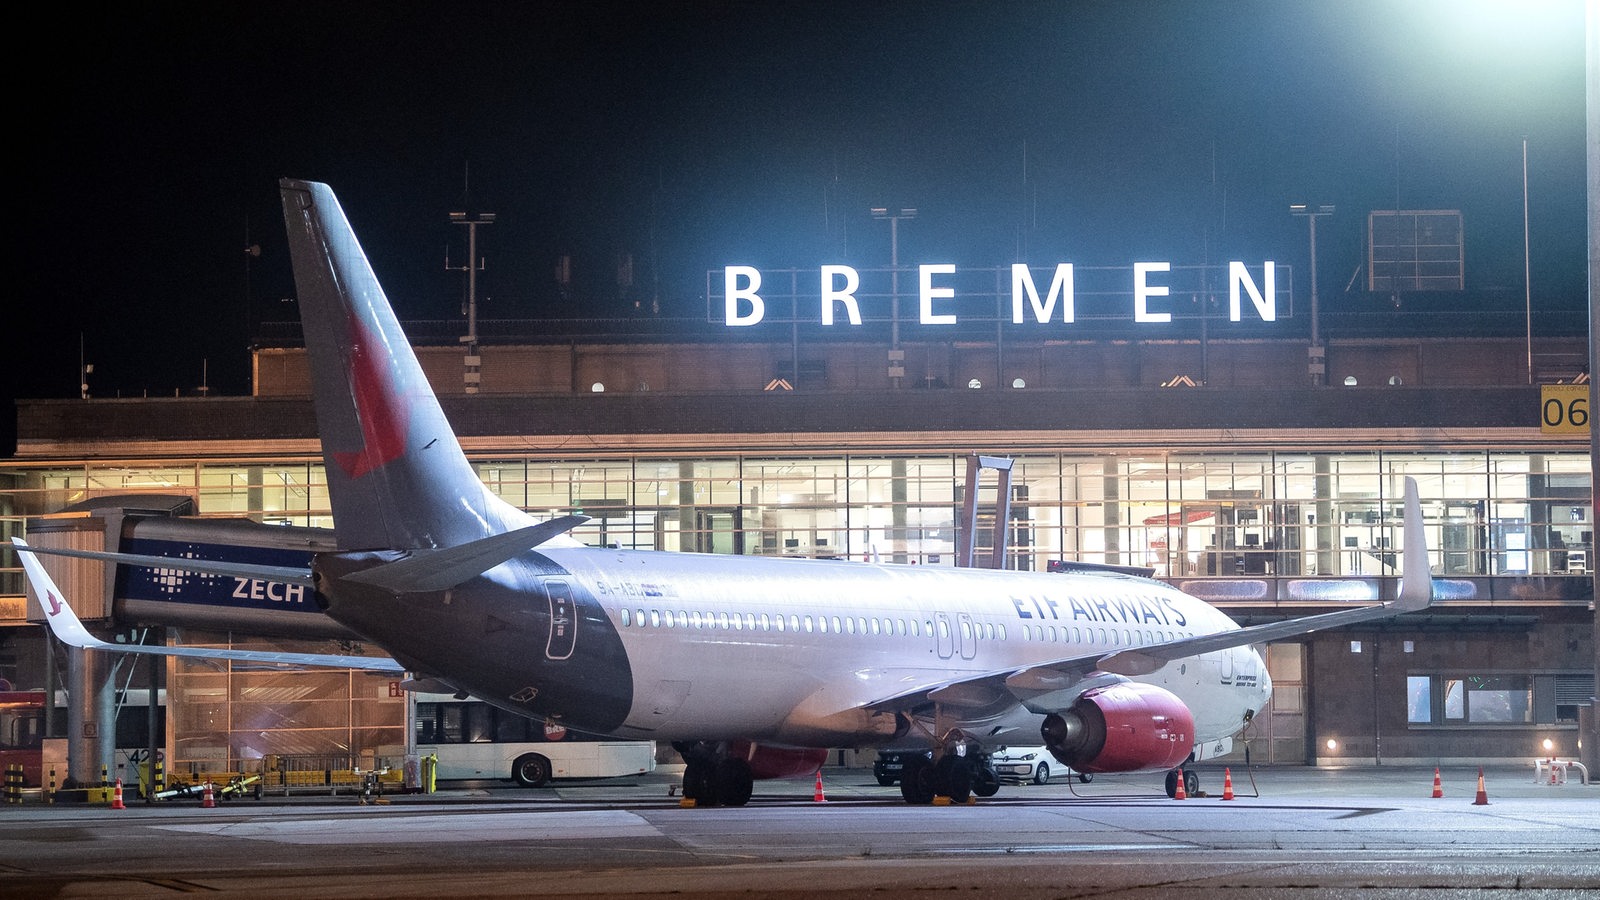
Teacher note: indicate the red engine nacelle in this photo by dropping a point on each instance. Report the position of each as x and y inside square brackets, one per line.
[1121, 728]
[778, 762]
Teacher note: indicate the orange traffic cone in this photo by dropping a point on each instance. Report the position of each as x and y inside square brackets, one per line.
[1180, 793]
[1438, 786]
[116, 796]
[1227, 783]
[1483, 797]
[207, 801]
[816, 795]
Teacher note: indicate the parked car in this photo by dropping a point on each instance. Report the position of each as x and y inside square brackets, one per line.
[890, 763]
[1016, 765]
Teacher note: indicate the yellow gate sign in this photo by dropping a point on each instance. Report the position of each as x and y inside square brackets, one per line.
[1564, 409]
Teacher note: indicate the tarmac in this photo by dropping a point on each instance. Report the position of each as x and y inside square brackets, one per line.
[1288, 831]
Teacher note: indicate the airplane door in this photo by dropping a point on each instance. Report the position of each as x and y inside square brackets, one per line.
[966, 637]
[945, 636]
[563, 620]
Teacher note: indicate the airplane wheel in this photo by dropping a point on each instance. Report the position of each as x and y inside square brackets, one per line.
[916, 781]
[1041, 774]
[985, 783]
[697, 781]
[952, 778]
[734, 783]
[1191, 783]
[1085, 777]
[531, 770]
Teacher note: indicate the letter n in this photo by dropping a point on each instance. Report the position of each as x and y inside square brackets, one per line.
[1266, 302]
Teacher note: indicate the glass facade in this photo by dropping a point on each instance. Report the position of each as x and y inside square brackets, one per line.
[1182, 515]
[235, 717]
[1522, 520]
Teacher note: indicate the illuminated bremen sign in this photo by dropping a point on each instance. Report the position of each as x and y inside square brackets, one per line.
[936, 295]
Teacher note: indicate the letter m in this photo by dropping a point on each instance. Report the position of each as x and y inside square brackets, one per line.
[1060, 287]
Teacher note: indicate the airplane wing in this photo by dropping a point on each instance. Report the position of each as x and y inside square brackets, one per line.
[66, 626]
[1416, 593]
[1053, 685]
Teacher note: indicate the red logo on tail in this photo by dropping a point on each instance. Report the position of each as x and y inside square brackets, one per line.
[379, 407]
[55, 605]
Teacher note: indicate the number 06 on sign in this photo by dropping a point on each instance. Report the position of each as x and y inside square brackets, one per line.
[1564, 409]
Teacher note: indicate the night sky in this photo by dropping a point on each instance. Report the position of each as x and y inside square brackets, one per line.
[696, 134]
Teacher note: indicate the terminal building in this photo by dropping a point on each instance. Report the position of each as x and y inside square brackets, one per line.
[1239, 461]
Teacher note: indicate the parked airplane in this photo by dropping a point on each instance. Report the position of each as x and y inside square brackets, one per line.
[752, 667]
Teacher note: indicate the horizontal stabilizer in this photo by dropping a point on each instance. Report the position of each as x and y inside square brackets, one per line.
[281, 574]
[69, 629]
[436, 570]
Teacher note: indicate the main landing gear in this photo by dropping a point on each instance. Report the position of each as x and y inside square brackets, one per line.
[711, 778]
[953, 776]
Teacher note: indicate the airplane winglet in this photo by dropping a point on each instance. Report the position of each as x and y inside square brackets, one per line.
[1416, 575]
[70, 630]
[63, 622]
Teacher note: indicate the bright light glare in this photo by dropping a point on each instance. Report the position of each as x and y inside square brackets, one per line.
[1520, 27]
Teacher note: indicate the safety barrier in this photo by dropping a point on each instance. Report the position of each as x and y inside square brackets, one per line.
[1550, 770]
[288, 775]
[14, 783]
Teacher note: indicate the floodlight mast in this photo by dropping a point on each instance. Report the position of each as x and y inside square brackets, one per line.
[896, 360]
[472, 267]
[1317, 356]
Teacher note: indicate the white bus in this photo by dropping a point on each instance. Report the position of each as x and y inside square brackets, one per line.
[474, 740]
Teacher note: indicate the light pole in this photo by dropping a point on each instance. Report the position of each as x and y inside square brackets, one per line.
[1316, 357]
[897, 359]
[473, 265]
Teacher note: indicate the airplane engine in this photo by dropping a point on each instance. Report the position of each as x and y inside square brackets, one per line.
[778, 762]
[1121, 728]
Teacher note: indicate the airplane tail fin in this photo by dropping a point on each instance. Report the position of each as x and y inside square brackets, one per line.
[397, 478]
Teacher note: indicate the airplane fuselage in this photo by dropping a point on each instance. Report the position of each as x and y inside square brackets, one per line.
[647, 644]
